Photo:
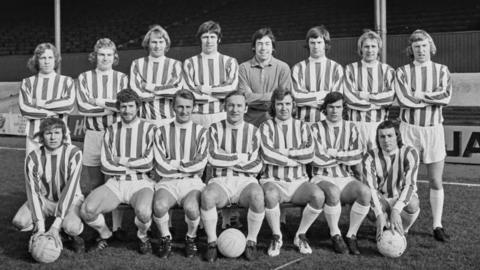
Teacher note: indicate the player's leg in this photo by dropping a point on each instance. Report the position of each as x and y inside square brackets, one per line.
[191, 207]
[163, 200]
[141, 201]
[437, 195]
[359, 196]
[23, 219]
[410, 213]
[273, 198]
[313, 198]
[73, 226]
[101, 200]
[252, 198]
[333, 211]
[212, 198]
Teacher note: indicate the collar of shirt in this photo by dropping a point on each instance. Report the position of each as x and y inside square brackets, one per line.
[53, 152]
[209, 56]
[322, 59]
[103, 72]
[49, 75]
[373, 64]
[424, 64]
[182, 125]
[254, 62]
[131, 124]
[237, 126]
[332, 124]
[156, 59]
[283, 122]
[392, 153]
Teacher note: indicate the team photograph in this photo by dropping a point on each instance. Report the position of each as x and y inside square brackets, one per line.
[231, 134]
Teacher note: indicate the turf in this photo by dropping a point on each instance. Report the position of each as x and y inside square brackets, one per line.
[461, 218]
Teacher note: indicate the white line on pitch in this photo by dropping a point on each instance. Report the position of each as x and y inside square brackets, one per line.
[452, 183]
[12, 148]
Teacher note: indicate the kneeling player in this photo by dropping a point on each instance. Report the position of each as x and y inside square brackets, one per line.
[286, 149]
[127, 157]
[52, 173]
[391, 173]
[180, 157]
[235, 161]
[337, 149]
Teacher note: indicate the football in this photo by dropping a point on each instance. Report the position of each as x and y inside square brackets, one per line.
[392, 244]
[231, 243]
[44, 248]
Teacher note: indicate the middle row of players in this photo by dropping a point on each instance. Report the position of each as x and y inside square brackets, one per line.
[237, 151]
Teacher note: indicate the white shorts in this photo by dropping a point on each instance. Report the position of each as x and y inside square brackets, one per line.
[92, 145]
[340, 182]
[49, 207]
[179, 188]
[206, 120]
[287, 188]
[429, 141]
[233, 186]
[160, 122]
[367, 134]
[124, 190]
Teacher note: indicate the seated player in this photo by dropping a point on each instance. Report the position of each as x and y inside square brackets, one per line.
[52, 174]
[337, 149]
[235, 160]
[391, 173]
[287, 147]
[180, 158]
[127, 157]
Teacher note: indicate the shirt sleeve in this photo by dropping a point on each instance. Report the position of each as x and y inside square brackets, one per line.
[409, 179]
[442, 94]
[404, 91]
[67, 100]
[25, 101]
[34, 189]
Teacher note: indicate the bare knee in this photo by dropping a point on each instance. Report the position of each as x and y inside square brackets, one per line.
[160, 207]
[191, 210]
[72, 227]
[271, 195]
[332, 195]
[317, 198]
[257, 199]
[88, 212]
[364, 195]
[208, 199]
[143, 213]
[413, 206]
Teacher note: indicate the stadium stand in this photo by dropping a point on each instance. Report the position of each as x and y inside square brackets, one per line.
[124, 21]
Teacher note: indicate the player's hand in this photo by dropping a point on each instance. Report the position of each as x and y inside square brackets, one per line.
[332, 152]
[92, 101]
[380, 223]
[419, 95]
[396, 221]
[33, 236]
[364, 95]
[175, 163]
[116, 159]
[284, 151]
[55, 233]
[242, 158]
[205, 89]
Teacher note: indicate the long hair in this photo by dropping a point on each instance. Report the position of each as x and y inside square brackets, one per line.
[32, 63]
[51, 123]
[263, 32]
[316, 32]
[160, 32]
[419, 35]
[369, 34]
[390, 124]
[104, 43]
[280, 94]
[209, 26]
[333, 97]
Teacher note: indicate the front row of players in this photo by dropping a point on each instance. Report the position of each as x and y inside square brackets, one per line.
[179, 151]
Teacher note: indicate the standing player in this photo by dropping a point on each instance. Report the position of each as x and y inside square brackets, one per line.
[423, 88]
[390, 171]
[127, 157]
[336, 150]
[180, 157]
[210, 75]
[235, 160]
[261, 75]
[97, 94]
[52, 174]
[156, 77]
[46, 94]
[369, 89]
[316, 76]
[286, 148]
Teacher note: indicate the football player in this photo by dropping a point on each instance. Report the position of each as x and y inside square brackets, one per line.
[235, 160]
[262, 74]
[390, 170]
[337, 150]
[180, 158]
[369, 89]
[287, 147]
[316, 76]
[45, 94]
[52, 175]
[127, 157]
[423, 88]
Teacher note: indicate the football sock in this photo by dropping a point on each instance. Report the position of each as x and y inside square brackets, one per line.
[308, 217]
[162, 224]
[332, 215]
[436, 202]
[142, 229]
[273, 218]
[101, 227]
[192, 226]
[408, 219]
[210, 219]
[117, 218]
[357, 214]
[254, 221]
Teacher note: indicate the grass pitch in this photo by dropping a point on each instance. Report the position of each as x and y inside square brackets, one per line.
[461, 218]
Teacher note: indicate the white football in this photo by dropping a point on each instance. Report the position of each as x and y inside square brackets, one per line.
[392, 244]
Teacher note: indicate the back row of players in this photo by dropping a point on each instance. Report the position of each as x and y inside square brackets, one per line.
[175, 136]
